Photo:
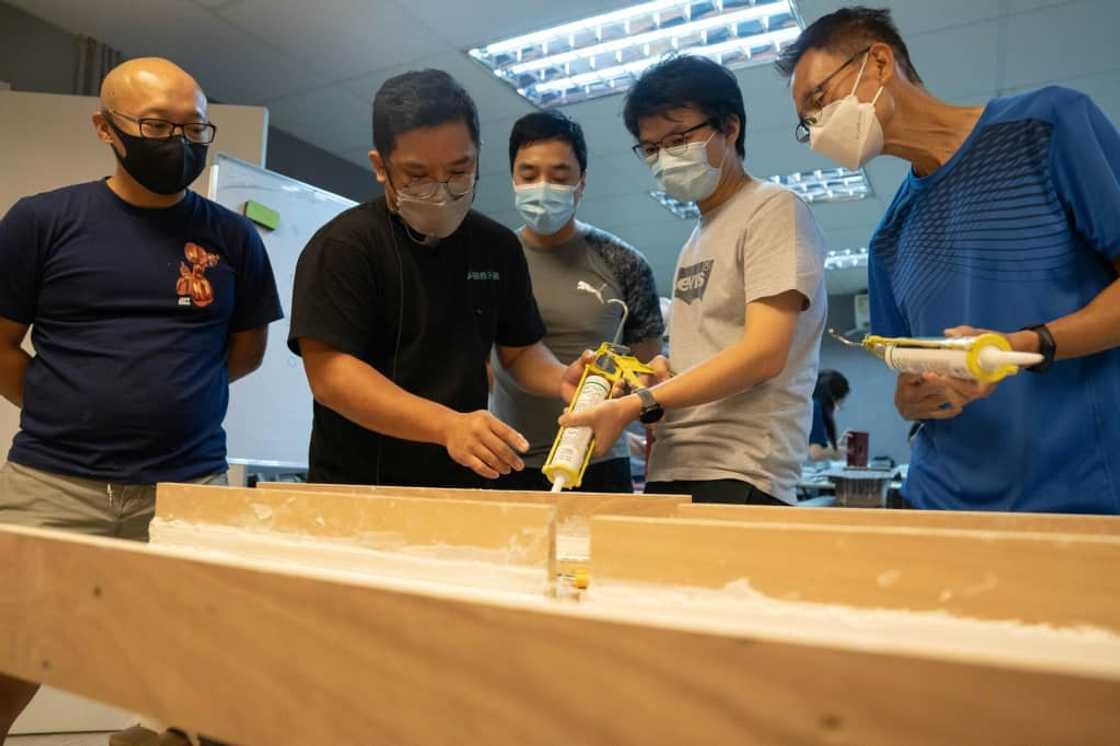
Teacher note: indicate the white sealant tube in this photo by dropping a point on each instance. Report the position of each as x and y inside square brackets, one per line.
[953, 363]
[568, 459]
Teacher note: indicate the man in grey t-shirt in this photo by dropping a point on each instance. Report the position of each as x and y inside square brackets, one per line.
[749, 303]
[548, 157]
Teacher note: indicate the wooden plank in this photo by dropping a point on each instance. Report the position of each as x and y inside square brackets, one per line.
[569, 504]
[1058, 579]
[1107, 525]
[268, 657]
[527, 532]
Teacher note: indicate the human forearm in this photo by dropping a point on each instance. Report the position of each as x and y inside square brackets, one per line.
[361, 394]
[246, 351]
[13, 369]
[732, 371]
[534, 368]
[1093, 329]
[823, 453]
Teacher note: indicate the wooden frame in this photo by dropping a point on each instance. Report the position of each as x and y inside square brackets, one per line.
[527, 532]
[568, 504]
[256, 656]
[1108, 525]
[1037, 578]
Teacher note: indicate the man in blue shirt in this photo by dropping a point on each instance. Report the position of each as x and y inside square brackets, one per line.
[1009, 221]
[145, 302]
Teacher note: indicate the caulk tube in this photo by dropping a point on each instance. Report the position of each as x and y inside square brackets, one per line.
[918, 360]
[988, 359]
[572, 450]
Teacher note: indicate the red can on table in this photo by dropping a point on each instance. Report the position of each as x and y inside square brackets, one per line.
[859, 444]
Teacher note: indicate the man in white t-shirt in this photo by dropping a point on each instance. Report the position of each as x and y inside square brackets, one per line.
[749, 303]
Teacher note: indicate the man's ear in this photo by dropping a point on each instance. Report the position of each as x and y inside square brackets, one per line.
[882, 61]
[104, 132]
[732, 127]
[379, 169]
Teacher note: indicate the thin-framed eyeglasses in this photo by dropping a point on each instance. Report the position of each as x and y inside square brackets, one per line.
[150, 128]
[675, 143]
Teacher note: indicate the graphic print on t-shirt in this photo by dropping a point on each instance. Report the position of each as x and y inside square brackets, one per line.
[192, 285]
[692, 281]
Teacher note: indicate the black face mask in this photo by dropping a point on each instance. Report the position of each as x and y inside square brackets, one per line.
[161, 166]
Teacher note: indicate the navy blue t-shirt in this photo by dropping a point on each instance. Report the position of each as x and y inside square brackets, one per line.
[132, 310]
[1020, 227]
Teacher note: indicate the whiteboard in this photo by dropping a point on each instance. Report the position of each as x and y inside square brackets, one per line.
[269, 417]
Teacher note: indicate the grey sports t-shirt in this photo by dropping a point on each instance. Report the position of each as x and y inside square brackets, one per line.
[576, 321]
[760, 243]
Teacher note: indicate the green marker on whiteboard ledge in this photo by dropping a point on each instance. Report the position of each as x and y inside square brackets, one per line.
[986, 358]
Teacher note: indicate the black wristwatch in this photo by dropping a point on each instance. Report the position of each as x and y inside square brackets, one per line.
[1046, 347]
[651, 411]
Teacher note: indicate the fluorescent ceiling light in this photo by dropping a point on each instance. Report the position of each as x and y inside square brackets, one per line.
[846, 258]
[683, 210]
[820, 186]
[827, 184]
[606, 53]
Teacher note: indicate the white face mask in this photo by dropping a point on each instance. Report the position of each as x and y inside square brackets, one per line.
[687, 177]
[435, 217]
[847, 131]
[545, 207]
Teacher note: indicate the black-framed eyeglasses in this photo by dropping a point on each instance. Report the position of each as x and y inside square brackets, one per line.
[801, 131]
[458, 185]
[675, 143]
[201, 133]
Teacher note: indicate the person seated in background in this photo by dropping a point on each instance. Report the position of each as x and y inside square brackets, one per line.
[145, 301]
[832, 388]
[749, 303]
[397, 303]
[1009, 220]
[548, 158]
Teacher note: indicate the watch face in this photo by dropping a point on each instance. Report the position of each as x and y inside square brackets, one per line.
[651, 414]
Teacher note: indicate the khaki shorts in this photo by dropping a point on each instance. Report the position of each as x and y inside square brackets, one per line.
[40, 499]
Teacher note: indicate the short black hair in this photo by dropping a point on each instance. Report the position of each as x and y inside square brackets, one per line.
[417, 99]
[845, 32]
[547, 125]
[687, 81]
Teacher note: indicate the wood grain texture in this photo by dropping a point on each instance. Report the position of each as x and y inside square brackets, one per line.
[1059, 579]
[268, 657]
[526, 531]
[568, 504]
[1106, 525]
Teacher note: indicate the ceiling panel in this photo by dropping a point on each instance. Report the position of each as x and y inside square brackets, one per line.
[340, 38]
[601, 119]
[470, 24]
[328, 117]
[231, 66]
[973, 65]
[1085, 33]
[915, 16]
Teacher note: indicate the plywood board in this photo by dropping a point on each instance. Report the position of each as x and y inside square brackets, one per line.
[526, 532]
[267, 657]
[569, 504]
[1058, 579]
[1064, 523]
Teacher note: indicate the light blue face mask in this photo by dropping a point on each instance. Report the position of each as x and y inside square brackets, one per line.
[545, 207]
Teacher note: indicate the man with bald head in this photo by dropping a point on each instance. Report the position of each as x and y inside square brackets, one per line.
[145, 301]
